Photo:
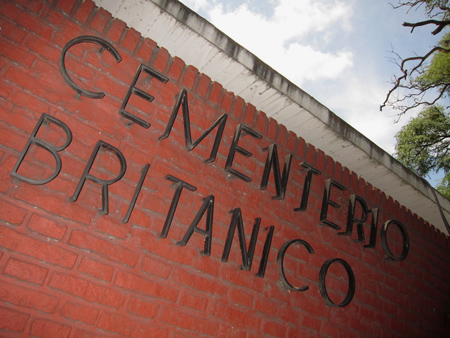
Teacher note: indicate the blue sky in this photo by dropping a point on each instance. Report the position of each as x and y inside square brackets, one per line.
[338, 51]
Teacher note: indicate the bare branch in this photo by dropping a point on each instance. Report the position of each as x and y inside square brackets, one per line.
[417, 68]
[441, 25]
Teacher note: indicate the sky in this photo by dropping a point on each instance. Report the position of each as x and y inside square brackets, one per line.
[338, 51]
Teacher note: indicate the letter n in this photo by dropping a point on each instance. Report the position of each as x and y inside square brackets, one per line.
[247, 255]
[280, 180]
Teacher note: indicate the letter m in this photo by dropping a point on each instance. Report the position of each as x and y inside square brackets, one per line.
[220, 123]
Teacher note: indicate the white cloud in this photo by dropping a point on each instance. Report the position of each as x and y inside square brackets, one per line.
[281, 39]
[196, 5]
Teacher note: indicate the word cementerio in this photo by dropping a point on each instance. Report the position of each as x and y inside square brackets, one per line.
[272, 163]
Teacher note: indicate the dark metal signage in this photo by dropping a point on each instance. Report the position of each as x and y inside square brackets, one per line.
[272, 162]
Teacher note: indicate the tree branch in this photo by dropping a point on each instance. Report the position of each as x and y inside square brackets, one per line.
[441, 25]
[406, 73]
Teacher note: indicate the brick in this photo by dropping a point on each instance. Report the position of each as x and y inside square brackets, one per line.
[250, 114]
[215, 93]
[186, 321]
[12, 31]
[66, 5]
[146, 50]
[142, 308]
[235, 332]
[275, 329]
[144, 286]
[83, 12]
[310, 154]
[128, 327]
[234, 316]
[112, 227]
[49, 329]
[281, 135]
[189, 77]
[42, 48]
[272, 129]
[132, 39]
[116, 30]
[320, 160]
[161, 60]
[301, 149]
[81, 313]
[33, 6]
[312, 323]
[156, 268]
[28, 298]
[241, 298]
[291, 141]
[261, 122]
[226, 101]
[46, 227]
[87, 334]
[27, 20]
[89, 291]
[193, 302]
[11, 320]
[105, 248]
[71, 29]
[100, 20]
[11, 214]
[16, 53]
[203, 85]
[53, 203]
[26, 271]
[238, 107]
[31, 102]
[48, 252]
[96, 269]
[211, 286]
[176, 69]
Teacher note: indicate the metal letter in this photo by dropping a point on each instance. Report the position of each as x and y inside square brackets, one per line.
[280, 261]
[280, 180]
[247, 255]
[179, 184]
[103, 183]
[43, 144]
[241, 128]
[62, 67]
[352, 219]
[384, 244]
[307, 185]
[136, 193]
[373, 229]
[140, 93]
[265, 255]
[208, 206]
[221, 121]
[326, 201]
[351, 282]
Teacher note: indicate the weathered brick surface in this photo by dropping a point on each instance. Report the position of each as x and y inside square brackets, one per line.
[68, 271]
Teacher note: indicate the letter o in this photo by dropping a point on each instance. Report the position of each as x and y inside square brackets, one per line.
[384, 244]
[323, 287]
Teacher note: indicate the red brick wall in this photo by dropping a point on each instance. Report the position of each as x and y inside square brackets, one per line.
[67, 271]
